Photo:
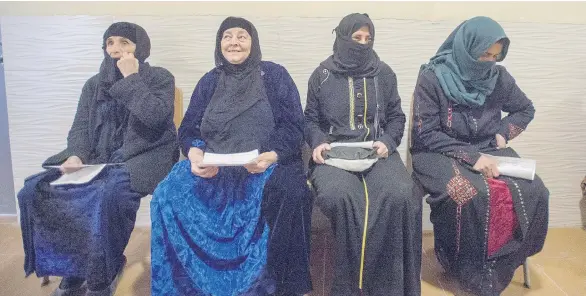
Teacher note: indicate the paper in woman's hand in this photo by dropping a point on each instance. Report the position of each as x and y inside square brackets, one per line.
[81, 166]
[232, 159]
[85, 174]
[82, 176]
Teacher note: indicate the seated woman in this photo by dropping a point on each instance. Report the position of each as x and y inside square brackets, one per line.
[124, 116]
[485, 224]
[236, 230]
[352, 97]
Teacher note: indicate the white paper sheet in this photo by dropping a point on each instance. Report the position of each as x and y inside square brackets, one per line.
[233, 159]
[516, 167]
[81, 166]
[353, 144]
[58, 166]
[81, 176]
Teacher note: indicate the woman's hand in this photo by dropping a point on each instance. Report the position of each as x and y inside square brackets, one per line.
[127, 64]
[501, 143]
[488, 166]
[381, 149]
[317, 157]
[195, 156]
[262, 162]
[72, 164]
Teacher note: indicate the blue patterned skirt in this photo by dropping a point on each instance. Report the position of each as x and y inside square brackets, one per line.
[208, 235]
[77, 230]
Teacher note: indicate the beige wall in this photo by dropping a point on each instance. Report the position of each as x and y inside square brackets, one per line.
[48, 58]
[520, 11]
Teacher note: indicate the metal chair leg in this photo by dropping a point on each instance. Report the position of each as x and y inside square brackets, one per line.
[527, 280]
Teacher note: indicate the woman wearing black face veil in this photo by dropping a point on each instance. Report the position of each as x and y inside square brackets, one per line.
[352, 97]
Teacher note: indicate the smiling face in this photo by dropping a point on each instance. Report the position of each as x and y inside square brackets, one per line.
[236, 44]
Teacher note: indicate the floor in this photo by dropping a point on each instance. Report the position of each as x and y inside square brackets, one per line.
[560, 269]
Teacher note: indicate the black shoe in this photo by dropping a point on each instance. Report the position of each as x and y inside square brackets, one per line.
[111, 289]
[66, 288]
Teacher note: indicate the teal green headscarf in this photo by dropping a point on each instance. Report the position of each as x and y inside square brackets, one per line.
[464, 79]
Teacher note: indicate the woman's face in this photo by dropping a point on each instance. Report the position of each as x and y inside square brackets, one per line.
[492, 53]
[236, 44]
[362, 36]
[116, 45]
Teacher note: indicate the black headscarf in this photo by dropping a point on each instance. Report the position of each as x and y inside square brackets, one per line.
[350, 57]
[112, 116]
[240, 86]
[109, 71]
[253, 59]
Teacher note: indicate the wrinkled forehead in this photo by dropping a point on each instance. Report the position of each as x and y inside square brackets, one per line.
[235, 31]
[118, 39]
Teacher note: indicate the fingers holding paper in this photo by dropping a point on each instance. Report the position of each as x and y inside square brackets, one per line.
[206, 165]
[381, 149]
[488, 166]
[72, 164]
[204, 172]
[262, 162]
[195, 156]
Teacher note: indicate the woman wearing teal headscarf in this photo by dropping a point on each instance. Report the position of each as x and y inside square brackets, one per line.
[485, 224]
